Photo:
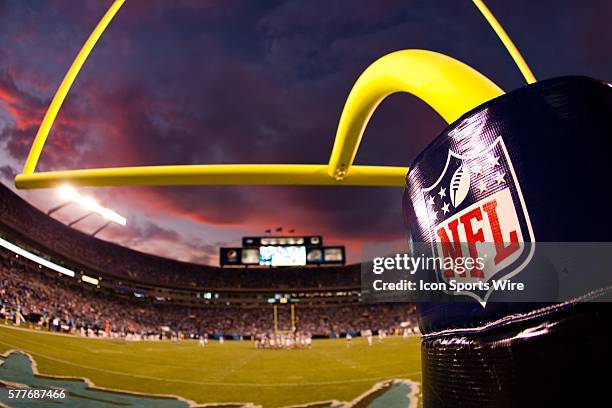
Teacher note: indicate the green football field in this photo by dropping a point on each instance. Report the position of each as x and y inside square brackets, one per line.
[233, 372]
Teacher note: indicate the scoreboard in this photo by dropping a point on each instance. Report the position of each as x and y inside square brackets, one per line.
[256, 242]
[282, 251]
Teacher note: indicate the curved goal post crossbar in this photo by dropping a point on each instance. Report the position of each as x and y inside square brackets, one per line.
[449, 86]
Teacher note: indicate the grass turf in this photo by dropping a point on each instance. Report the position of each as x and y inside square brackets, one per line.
[233, 372]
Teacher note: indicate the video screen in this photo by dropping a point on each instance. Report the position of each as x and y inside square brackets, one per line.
[334, 255]
[250, 256]
[282, 255]
[315, 256]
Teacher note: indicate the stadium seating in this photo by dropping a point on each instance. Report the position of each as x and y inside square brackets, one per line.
[145, 295]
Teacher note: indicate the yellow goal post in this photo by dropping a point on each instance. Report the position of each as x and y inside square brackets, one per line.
[447, 85]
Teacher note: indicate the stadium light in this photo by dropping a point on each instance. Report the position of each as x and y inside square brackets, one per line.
[90, 280]
[68, 193]
[33, 257]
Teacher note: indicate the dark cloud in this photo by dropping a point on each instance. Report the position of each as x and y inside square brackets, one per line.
[208, 82]
[153, 231]
[7, 173]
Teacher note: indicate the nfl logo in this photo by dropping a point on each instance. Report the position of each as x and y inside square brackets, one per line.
[475, 209]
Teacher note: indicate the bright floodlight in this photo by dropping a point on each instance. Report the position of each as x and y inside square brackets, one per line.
[70, 194]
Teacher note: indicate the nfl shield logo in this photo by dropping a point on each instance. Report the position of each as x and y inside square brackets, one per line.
[475, 209]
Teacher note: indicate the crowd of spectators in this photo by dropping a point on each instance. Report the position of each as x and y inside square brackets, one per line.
[30, 295]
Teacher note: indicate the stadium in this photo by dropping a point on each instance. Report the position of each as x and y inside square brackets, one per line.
[179, 226]
[123, 296]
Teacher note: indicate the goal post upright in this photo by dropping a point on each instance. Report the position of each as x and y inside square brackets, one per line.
[292, 317]
[447, 85]
[275, 313]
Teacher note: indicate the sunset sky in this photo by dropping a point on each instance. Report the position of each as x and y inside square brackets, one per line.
[203, 82]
